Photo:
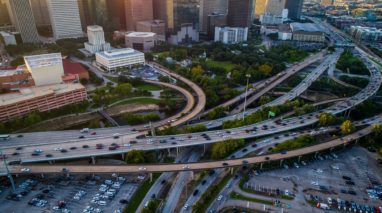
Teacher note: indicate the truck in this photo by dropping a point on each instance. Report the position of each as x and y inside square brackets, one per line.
[85, 130]
[323, 206]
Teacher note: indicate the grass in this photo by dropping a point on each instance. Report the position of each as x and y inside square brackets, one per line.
[140, 100]
[140, 194]
[149, 87]
[237, 196]
[113, 79]
[228, 66]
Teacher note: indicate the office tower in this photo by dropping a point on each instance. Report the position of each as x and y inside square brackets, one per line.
[185, 13]
[164, 10]
[231, 35]
[294, 8]
[215, 20]
[40, 12]
[85, 14]
[96, 37]
[24, 21]
[137, 10]
[208, 7]
[275, 7]
[260, 6]
[65, 18]
[4, 16]
[240, 13]
[45, 69]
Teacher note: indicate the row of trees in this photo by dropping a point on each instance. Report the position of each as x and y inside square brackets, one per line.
[176, 130]
[134, 119]
[223, 149]
[348, 61]
[139, 156]
[296, 143]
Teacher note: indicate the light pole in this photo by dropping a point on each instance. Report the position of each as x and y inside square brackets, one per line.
[246, 92]
[8, 174]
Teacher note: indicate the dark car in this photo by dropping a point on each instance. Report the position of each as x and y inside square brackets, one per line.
[99, 146]
[19, 148]
[283, 152]
[245, 162]
[254, 145]
[153, 196]
[225, 164]
[85, 146]
[133, 142]
[163, 182]
[211, 172]
[204, 182]
[15, 153]
[244, 150]
[352, 192]
[81, 137]
[20, 136]
[123, 201]
[346, 178]
[73, 148]
[64, 150]
[174, 143]
[196, 192]
[48, 155]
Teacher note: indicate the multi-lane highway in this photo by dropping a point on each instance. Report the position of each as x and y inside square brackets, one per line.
[172, 141]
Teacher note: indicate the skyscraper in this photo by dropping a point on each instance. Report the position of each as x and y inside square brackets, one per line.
[65, 18]
[40, 12]
[96, 41]
[240, 13]
[295, 8]
[164, 10]
[260, 6]
[275, 7]
[138, 10]
[185, 12]
[24, 21]
[4, 16]
[208, 7]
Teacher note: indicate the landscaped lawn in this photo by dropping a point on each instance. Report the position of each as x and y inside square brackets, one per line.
[149, 87]
[140, 100]
[221, 64]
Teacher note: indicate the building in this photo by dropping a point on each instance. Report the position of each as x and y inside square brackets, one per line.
[142, 41]
[260, 7]
[119, 58]
[208, 7]
[187, 34]
[268, 18]
[366, 33]
[23, 20]
[240, 13]
[275, 7]
[11, 79]
[155, 26]
[42, 99]
[65, 19]
[40, 12]
[284, 32]
[75, 69]
[96, 41]
[138, 10]
[294, 8]
[8, 38]
[5, 18]
[45, 69]
[215, 20]
[307, 32]
[231, 35]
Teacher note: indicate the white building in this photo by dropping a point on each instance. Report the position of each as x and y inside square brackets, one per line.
[142, 41]
[96, 41]
[65, 18]
[268, 18]
[187, 34]
[119, 58]
[45, 69]
[9, 38]
[231, 35]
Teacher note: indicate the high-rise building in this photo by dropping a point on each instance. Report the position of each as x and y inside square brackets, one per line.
[45, 69]
[96, 38]
[185, 13]
[215, 20]
[40, 12]
[65, 18]
[24, 21]
[138, 10]
[155, 26]
[275, 7]
[294, 8]
[4, 16]
[208, 7]
[260, 6]
[141, 41]
[240, 13]
[164, 10]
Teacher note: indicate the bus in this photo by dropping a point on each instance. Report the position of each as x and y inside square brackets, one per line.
[4, 137]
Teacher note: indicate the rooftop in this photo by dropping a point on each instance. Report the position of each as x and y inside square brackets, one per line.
[11, 72]
[141, 34]
[117, 53]
[45, 60]
[72, 67]
[35, 92]
[94, 27]
[307, 27]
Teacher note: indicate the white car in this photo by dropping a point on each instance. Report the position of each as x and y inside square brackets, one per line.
[186, 167]
[58, 149]
[102, 203]
[314, 183]
[185, 207]
[220, 197]
[142, 168]
[25, 170]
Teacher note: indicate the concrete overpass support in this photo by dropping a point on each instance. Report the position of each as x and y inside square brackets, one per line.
[123, 156]
[299, 159]
[261, 165]
[192, 175]
[281, 162]
[231, 169]
[42, 175]
[93, 160]
[151, 177]
[177, 151]
[315, 154]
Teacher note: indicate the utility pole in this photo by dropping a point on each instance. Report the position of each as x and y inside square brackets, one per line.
[246, 92]
[8, 174]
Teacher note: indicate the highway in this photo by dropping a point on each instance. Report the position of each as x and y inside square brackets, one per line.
[172, 141]
[280, 78]
[176, 167]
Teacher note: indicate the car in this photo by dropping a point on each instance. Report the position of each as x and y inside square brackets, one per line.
[186, 167]
[186, 206]
[163, 182]
[57, 149]
[254, 145]
[116, 135]
[25, 170]
[99, 146]
[173, 143]
[153, 196]
[123, 201]
[349, 182]
[19, 148]
[85, 146]
[65, 170]
[20, 136]
[346, 177]
[225, 164]
[93, 133]
[220, 197]
[195, 192]
[352, 192]
[64, 150]
[283, 152]
[244, 150]
[15, 153]
[245, 162]
[204, 182]
[142, 168]
[73, 148]
[48, 155]
[81, 137]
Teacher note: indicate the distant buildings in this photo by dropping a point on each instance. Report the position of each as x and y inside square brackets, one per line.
[23, 20]
[40, 99]
[307, 32]
[209, 7]
[45, 69]
[366, 33]
[96, 41]
[142, 41]
[119, 58]
[215, 20]
[65, 19]
[187, 34]
[11, 79]
[268, 18]
[8, 37]
[40, 12]
[294, 8]
[156, 26]
[231, 35]
[138, 10]
[240, 13]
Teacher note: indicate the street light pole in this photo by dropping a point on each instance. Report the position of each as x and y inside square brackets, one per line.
[8, 174]
[246, 92]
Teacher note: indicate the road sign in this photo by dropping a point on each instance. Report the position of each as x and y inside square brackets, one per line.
[271, 114]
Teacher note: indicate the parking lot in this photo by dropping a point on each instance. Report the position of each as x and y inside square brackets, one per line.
[108, 193]
[350, 179]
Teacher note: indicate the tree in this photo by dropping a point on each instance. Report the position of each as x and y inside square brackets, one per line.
[135, 156]
[265, 69]
[377, 129]
[264, 99]
[123, 89]
[347, 127]
[149, 56]
[325, 119]
[197, 71]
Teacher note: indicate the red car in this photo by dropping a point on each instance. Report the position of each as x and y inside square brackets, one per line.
[93, 133]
